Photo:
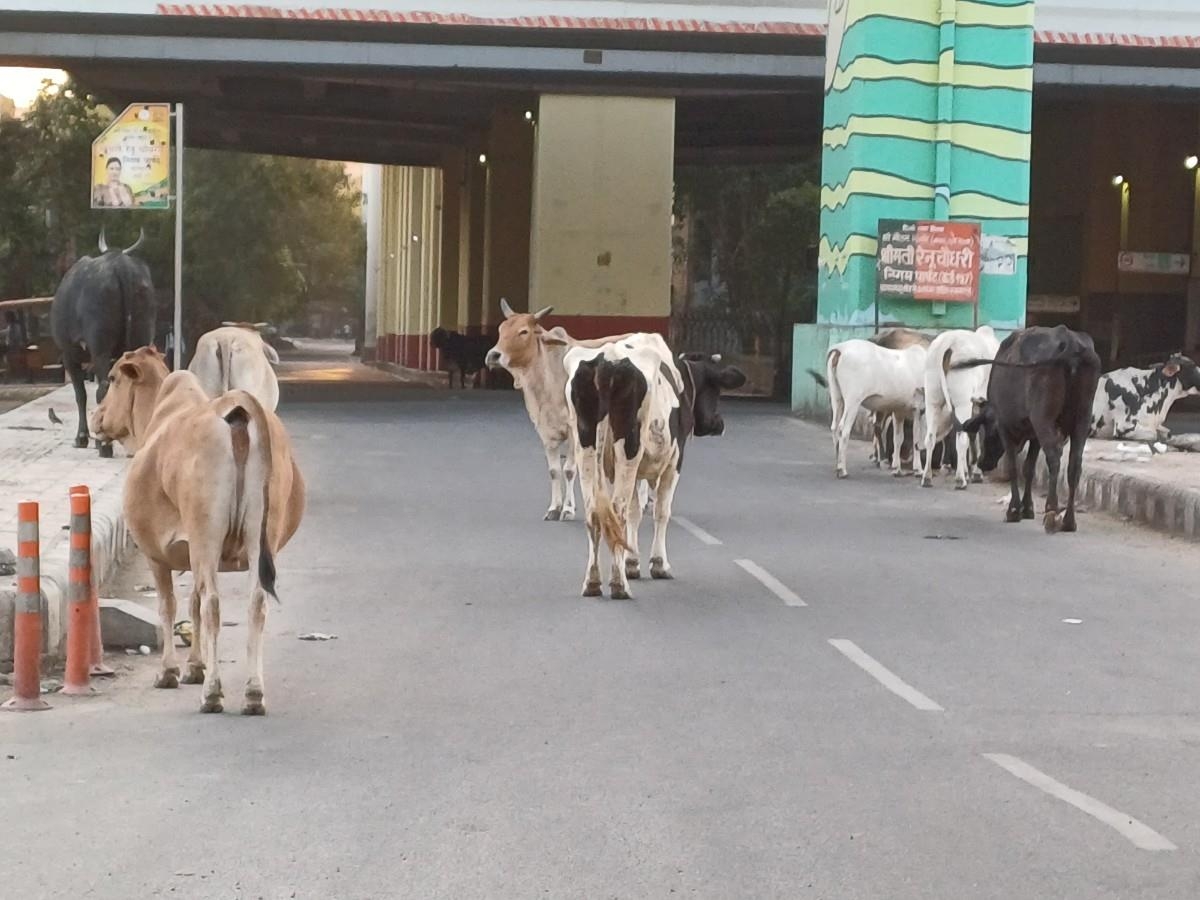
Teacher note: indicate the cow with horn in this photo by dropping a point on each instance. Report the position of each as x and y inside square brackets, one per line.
[103, 307]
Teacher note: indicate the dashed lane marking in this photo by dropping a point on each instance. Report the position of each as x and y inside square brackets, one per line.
[696, 531]
[770, 582]
[884, 676]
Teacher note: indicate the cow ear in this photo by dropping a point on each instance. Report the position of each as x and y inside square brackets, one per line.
[130, 370]
[1171, 369]
[551, 338]
[730, 378]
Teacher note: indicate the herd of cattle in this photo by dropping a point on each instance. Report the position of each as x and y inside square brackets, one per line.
[1037, 390]
[213, 486]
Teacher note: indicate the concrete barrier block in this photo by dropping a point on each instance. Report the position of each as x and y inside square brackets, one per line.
[127, 624]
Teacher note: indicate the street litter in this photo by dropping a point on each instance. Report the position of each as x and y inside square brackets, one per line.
[1072, 621]
[318, 636]
[144, 650]
[183, 631]
[145, 589]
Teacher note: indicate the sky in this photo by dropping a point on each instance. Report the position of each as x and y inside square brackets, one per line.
[21, 85]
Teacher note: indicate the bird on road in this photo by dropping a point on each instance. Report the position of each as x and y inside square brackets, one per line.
[54, 417]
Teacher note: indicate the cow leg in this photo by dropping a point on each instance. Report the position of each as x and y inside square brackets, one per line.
[660, 567]
[624, 490]
[1031, 455]
[589, 471]
[102, 364]
[568, 480]
[168, 677]
[962, 450]
[633, 558]
[210, 630]
[74, 367]
[843, 425]
[1074, 470]
[1051, 446]
[897, 444]
[1013, 513]
[554, 464]
[195, 662]
[254, 704]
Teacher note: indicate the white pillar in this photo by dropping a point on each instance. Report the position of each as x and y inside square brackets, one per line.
[373, 210]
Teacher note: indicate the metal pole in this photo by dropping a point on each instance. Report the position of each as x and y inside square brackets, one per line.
[178, 237]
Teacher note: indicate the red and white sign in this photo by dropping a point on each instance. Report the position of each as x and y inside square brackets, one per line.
[927, 260]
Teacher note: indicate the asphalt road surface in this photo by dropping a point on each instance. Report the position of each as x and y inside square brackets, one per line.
[857, 690]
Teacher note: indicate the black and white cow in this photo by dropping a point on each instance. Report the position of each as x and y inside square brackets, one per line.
[632, 407]
[1134, 403]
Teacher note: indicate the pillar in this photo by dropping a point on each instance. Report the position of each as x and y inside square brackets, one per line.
[928, 112]
[472, 209]
[509, 184]
[601, 249]
[373, 210]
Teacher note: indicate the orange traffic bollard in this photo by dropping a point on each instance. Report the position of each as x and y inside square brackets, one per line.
[79, 615]
[96, 666]
[27, 629]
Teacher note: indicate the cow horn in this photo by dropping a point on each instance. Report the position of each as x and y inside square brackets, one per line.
[138, 242]
[506, 309]
[103, 242]
[545, 311]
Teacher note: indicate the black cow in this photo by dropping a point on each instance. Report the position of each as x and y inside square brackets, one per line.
[104, 307]
[1041, 392]
[464, 352]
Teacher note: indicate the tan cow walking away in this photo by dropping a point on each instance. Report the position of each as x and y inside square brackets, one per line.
[212, 488]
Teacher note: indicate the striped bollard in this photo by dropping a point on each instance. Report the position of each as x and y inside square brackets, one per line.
[27, 619]
[96, 666]
[76, 681]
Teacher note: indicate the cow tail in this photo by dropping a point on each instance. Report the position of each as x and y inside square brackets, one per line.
[944, 374]
[248, 409]
[604, 516]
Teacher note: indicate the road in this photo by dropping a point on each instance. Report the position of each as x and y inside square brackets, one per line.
[926, 727]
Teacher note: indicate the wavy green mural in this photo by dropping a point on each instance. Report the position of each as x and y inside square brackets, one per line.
[928, 108]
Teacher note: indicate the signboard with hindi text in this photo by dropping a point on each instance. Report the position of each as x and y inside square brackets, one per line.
[131, 160]
[927, 260]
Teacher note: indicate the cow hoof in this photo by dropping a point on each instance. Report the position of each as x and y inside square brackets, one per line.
[633, 573]
[106, 451]
[617, 592]
[658, 573]
[960, 485]
[1012, 515]
[568, 515]
[976, 478]
[842, 473]
[926, 482]
[81, 442]
[193, 676]
[1068, 525]
[1028, 514]
[254, 704]
[167, 679]
[552, 515]
[212, 706]
[592, 590]
[1050, 522]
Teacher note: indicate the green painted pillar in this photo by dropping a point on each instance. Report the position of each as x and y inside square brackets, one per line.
[928, 107]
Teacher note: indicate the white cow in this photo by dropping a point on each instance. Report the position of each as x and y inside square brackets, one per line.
[236, 358]
[632, 409]
[861, 374]
[954, 396]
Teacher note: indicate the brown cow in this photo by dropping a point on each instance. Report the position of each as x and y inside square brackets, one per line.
[212, 488]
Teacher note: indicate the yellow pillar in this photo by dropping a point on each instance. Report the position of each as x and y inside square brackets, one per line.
[509, 189]
[602, 200]
[451, 209]
[471, 231]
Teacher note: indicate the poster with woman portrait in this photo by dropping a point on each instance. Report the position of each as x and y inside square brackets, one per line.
[131, 160]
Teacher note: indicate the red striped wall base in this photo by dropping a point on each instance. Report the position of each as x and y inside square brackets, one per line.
[589, 327]
[409, 350]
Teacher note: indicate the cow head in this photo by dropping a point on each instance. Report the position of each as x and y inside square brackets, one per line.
[124, 413]
[438, 338]
[993, 447]
[520, 339]
[1182, 367]
[709, 378]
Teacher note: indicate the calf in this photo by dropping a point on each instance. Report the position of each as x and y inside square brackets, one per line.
[861, 374]
[953, 397]
[1134, 403]
[896, 338]
[1040, 393]
[632, 409]
[465, 352]
[212, 488]
[235, 357]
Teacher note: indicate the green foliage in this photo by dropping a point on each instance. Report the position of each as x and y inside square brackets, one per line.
[755, 226]
[262, 235]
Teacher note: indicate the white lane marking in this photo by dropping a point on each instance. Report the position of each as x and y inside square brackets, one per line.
[884, 676]
[696, 531]
[770, 582]
[1137, 833]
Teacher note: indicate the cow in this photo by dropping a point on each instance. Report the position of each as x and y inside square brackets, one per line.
[953, 397]
[632, 409]
[859, 373]
[104, 306]
[1134, 403]
[212, 488]
[894, 338]
[465, 352]
[534, 357]
[1041, 391]
[235, 357]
